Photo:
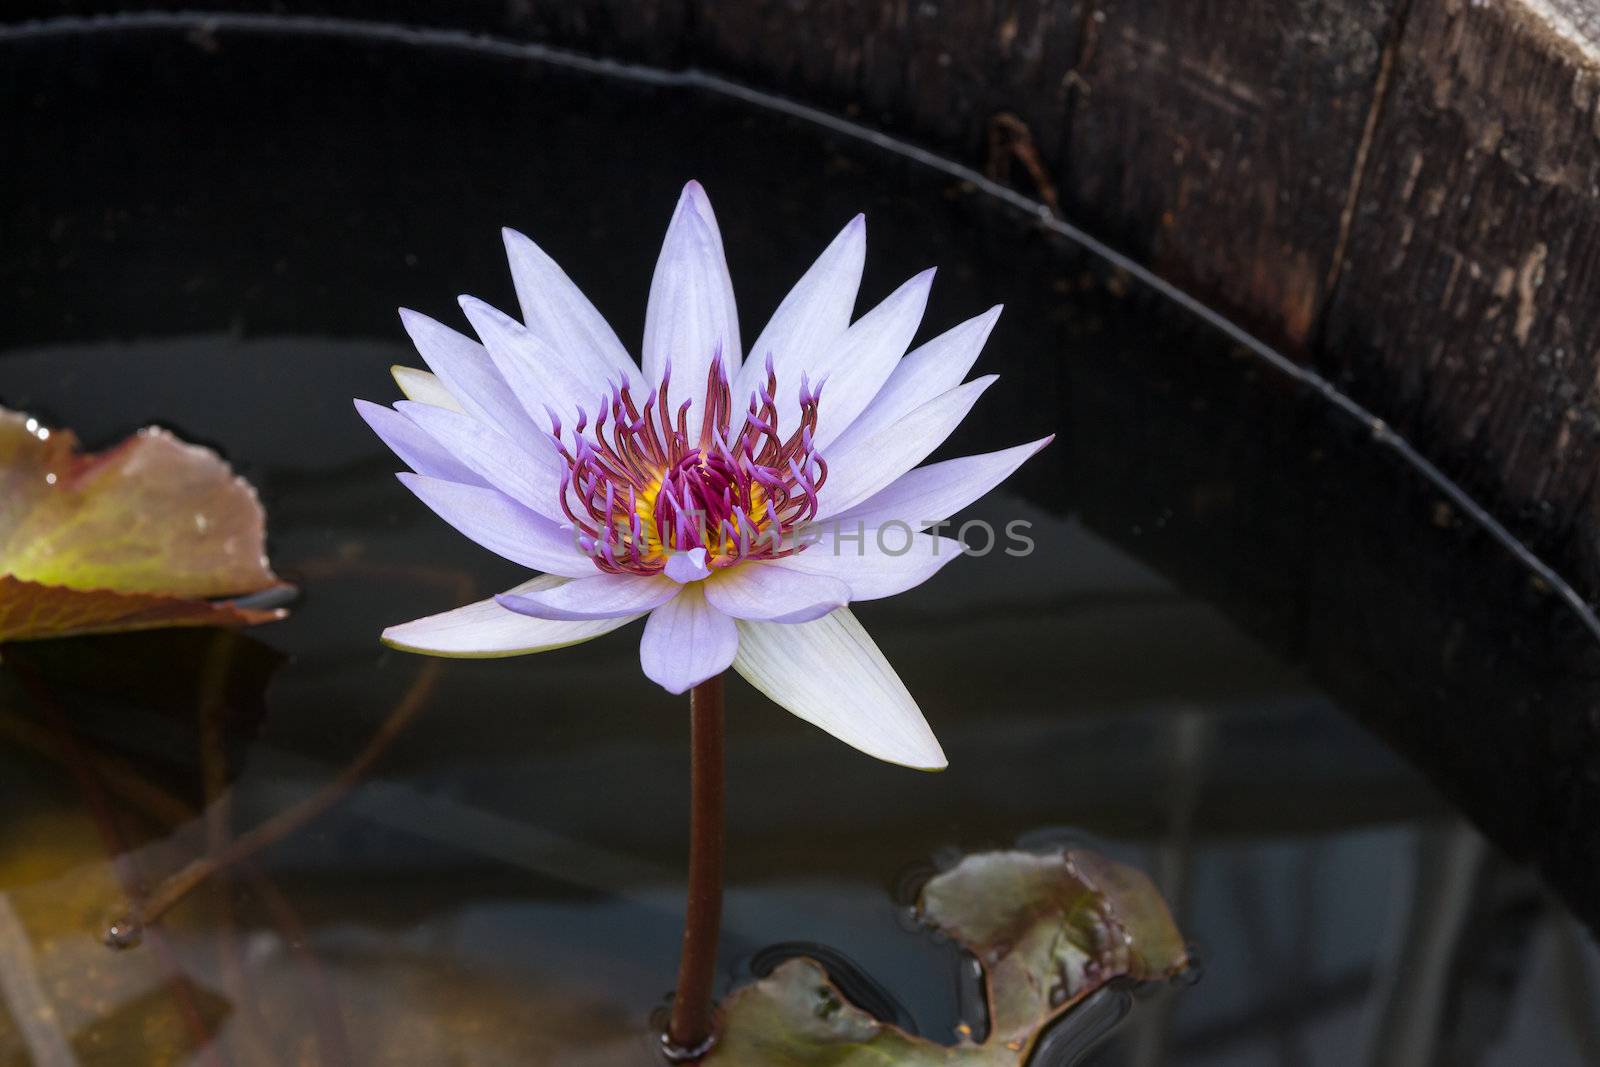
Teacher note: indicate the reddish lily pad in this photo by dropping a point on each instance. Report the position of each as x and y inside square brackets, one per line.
[150, 533]
[1048, 929]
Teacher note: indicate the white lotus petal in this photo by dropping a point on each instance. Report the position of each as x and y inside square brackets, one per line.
[687, 641]
[540, 379]
[503, 526]
[858, 470]
[415, 448]
[854, 368]
[690, 566]
[762, 590]
[486, 630]
[933, 493]
[831, 674]
[813, 316]
[467, 372]
[691, 316]
[602, 596]
[424, 387]
[925, 373]
[531, 476]
[556, 311]
[873, 562]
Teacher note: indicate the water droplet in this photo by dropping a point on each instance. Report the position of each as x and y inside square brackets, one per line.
[124, 934]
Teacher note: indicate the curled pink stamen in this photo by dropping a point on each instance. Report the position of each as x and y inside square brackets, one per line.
[638, 486]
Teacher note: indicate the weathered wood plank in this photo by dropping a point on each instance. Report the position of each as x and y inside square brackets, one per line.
[1465, 312]
[938, 70]
[1216, 140]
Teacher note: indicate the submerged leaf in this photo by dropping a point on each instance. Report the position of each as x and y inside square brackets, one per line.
[1048, 929]
[143, 535]
[1051, 929]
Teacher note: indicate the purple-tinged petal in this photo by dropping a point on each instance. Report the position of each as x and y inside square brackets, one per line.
[690, 566]
[424, 387]
[602, 596]
[557, 312]
[485, 630]
[691, 316]
[809, 320]
[468, 374]
[829, 673]
[933, 493]
[873, 562]
[541, 380]
[687, 641]
[925, 373]
[858, 470]
[855, 366]
[503, 526]
[762, 590]
[531, 476]
[414, 446]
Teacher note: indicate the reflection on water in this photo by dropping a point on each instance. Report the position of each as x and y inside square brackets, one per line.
[1227, 578]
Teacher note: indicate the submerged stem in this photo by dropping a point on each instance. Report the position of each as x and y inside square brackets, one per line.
[689, 1035]
[179, 884]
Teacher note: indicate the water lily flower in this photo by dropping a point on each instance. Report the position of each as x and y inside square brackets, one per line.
[737, 502]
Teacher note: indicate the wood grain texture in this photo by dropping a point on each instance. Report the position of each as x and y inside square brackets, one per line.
[1466, 312]
[938, 70]
[1216, 140]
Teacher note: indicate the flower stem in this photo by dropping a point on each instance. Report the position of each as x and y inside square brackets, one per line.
[690, 1032]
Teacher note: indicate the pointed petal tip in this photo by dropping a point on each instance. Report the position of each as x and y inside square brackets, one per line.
[686, 567]
[694, 197]
[485, 317]
[519, 245]
[854, 234]
[926, 756]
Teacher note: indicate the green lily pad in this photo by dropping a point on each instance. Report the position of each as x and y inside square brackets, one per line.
[150, 533]
[1048, 929]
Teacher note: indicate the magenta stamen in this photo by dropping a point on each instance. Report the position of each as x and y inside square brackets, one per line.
[736, 494]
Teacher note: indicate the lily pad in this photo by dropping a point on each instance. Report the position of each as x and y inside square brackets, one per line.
[150, 533]
[1048, 929]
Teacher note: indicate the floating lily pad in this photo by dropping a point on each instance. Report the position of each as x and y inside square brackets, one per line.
[1048, 929]
[150, 533]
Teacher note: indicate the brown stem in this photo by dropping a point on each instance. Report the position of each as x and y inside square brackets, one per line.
[690, 1033]
[186, 879]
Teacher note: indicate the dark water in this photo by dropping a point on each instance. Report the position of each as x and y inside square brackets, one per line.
[1238, 590]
